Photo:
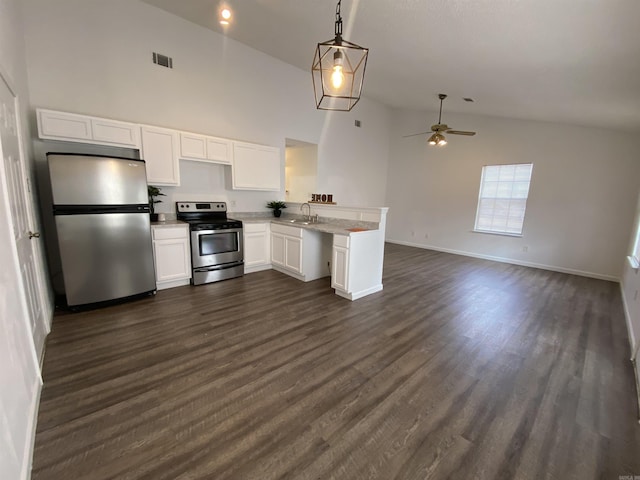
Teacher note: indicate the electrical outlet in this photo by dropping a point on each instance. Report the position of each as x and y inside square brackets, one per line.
[232, 203]
[635, 295]
[525, 249]
[413, 234]
[426, 236]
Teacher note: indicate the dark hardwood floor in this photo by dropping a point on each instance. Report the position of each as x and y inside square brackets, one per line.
[460, 368]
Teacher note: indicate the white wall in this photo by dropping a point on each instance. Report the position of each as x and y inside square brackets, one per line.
[581, 201]
[19, 371]
[94, 57]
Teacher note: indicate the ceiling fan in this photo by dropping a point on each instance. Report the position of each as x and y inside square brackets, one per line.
[439, 128]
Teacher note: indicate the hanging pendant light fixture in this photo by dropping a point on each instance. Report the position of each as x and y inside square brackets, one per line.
[338, 71]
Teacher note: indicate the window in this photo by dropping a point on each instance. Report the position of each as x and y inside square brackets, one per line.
[503, 198]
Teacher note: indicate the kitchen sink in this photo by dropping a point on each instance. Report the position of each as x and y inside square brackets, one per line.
[302, 222]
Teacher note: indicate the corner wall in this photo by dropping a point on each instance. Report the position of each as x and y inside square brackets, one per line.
[581, 201]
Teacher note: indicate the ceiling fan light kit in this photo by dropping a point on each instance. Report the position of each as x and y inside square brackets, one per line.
[338, 71]
[437, 138]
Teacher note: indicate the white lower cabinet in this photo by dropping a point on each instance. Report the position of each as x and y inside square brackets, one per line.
[257, 247]
[160, 153]
[356, 264]
[172, 254]
[303, 254]
[340, 263]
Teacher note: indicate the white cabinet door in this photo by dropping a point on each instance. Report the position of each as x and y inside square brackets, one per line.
[64, 126]
[256, 245]
[193, 147]
[172, 260]
[255, 167]
[293, 254]
[340, 268]
[172, 255]
[113, 132]
[159, 150]
[219, 150]
[277, 249]
[340, 263]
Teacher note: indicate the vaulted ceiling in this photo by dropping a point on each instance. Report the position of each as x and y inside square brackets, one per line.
[573, 61]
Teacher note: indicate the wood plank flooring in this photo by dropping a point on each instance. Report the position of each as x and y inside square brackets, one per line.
[459, 368]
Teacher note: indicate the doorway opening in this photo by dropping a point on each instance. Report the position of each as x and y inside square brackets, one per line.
[301, 170]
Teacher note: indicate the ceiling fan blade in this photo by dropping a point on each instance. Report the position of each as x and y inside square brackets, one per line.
[415, 134]
[461, 132]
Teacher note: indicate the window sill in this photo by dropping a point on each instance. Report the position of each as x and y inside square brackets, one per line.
[502, 234]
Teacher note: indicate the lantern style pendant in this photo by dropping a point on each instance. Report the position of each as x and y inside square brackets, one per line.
[338, 71]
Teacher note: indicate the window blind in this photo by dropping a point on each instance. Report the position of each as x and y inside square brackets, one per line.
[502, 201]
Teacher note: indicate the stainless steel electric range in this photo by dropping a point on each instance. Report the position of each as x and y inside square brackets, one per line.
[217, 251]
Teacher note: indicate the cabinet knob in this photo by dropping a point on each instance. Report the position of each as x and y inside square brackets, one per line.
[34, 234]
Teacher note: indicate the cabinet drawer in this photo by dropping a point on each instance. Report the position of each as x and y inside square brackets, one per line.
[168, 233]
[341, 241]
[285, 229]
[255, 227]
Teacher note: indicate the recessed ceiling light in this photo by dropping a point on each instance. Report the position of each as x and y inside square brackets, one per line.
[225, 16]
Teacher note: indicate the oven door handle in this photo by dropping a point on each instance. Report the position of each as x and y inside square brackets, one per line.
[209, 232]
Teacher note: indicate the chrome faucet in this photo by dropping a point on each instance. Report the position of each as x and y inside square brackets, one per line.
[306, 217]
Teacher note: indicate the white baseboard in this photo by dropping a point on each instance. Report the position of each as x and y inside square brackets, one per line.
[627, 318]
[360, 294]
[512, 261]
[256, 268]
[173, 283]
[27, 462]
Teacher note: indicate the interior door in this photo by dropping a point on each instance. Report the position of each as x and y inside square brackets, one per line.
[22, 218]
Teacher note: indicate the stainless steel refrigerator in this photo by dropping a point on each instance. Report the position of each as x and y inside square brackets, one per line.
[101, 212]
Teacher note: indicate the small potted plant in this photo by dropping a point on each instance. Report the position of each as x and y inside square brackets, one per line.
[154, 192]
[277, 207]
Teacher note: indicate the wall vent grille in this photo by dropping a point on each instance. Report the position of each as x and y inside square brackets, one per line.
[162, 60]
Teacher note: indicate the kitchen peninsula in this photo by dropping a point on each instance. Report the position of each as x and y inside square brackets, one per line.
[346, 243]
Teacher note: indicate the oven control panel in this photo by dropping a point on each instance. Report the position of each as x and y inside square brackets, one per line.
[201, 207]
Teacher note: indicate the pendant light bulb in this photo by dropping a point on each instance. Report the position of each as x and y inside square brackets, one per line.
[337, 77]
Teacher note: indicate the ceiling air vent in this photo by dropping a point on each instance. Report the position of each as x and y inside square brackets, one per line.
[162, 60]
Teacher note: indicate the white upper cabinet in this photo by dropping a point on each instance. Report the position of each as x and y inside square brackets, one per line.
[85, 129]
[256, 167]
[253, 167]
[193, 147]
[64, 126]
[219, 150]
[160, 153]
[115, 133]
[205, 149]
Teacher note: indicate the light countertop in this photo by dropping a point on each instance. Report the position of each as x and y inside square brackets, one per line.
[169, 223]
[335, 226]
